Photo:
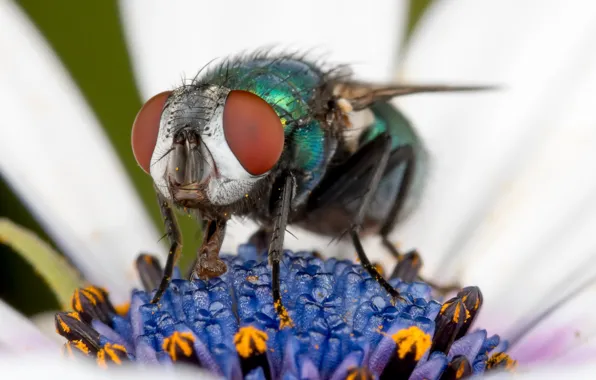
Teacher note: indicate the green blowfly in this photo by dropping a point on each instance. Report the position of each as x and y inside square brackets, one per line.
[281, 140]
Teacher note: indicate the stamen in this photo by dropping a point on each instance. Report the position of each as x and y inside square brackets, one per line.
[251, 345]
[122, 309]
[410, 345]
[360, 373]
[111, 353]
[150, 271]
[74, 348]
[94, 302]
[448, 322]
[180, 347]
[458, 368]
[501, 360]
[408, 267]
[70, 326]
[472, 298]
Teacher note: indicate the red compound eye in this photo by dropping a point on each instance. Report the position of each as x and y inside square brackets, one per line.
[253, 131]
[145, 129]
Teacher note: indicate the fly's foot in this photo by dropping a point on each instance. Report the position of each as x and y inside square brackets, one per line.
[208, 266]
[442, 290]
[285, 321]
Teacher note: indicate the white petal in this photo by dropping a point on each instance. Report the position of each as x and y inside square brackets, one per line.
[55, 155]
[48, 367]
[46, 323]
[512, 202]
[541, 231]
[481, 142]
[566, 336]
[168, 39]
[548, 373]
[19, 335]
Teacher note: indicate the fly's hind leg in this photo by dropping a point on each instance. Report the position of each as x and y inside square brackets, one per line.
[382, 153]
[359, 177]
[175, 238]
[409, 264]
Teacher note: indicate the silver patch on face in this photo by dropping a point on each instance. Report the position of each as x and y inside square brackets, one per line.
[159, 160]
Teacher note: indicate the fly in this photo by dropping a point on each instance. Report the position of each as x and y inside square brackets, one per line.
[281, 141]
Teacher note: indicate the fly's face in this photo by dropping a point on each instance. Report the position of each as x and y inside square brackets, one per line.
[206, 145]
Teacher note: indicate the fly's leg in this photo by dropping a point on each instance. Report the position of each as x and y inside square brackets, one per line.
[282, 211]
[373, 184]
[408, 265]
[208, 263]
[175, 238]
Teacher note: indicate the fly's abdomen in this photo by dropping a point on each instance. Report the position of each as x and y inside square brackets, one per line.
[388, 119]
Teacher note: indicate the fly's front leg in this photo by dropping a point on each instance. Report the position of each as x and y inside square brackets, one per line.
[208, 263]
[175, 239]
[282, 212]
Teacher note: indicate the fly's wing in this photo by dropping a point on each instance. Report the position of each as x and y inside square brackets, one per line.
[361, 95]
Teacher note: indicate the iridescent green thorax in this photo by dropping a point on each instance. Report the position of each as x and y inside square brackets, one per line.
[288, 85]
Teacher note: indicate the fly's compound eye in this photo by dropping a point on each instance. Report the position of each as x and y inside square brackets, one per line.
[253, 131]
[145, 129]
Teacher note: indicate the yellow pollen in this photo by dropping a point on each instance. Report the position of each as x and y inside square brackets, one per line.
[356, 373]
[283, 121]
[498, 358]
[177, 168]
[456, 314]
[412, 339]
[245, 195]
[249, 338]
[379, 268]
[81, 346]
[63, 325]
[76, 301]
[284, 317]
[101, 359]
[109, 350]
[178, 340]
[252, 278]
[445, 306]
[460, 370]
[123, 308]
[97, 292]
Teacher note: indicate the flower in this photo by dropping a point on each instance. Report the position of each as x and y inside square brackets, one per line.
[343, 324]
[509, 206]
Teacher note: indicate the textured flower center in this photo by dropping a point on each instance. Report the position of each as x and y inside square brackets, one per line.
[344, 325]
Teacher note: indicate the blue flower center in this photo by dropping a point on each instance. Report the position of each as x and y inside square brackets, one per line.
[343, 324]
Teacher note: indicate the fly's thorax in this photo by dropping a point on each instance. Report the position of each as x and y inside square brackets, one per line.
[193, 157]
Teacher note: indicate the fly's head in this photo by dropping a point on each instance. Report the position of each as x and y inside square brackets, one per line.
[205, 144]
